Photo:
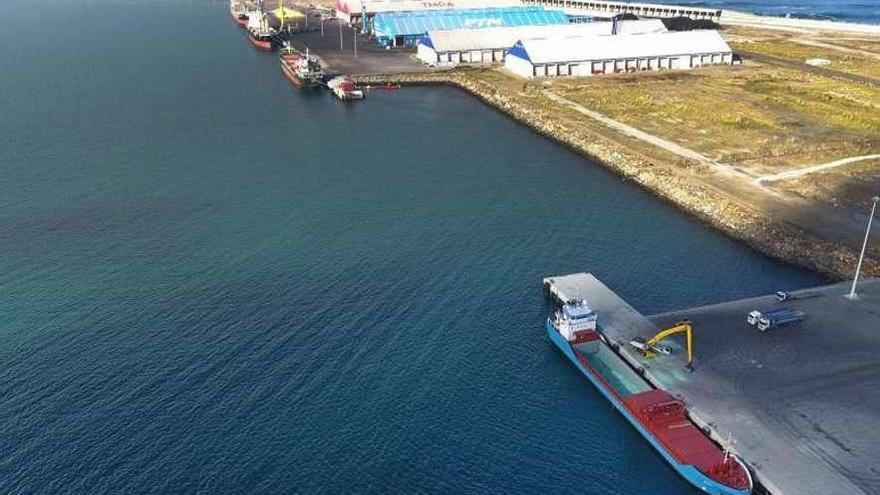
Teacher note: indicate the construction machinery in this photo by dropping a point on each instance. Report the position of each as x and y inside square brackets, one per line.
[651, 347]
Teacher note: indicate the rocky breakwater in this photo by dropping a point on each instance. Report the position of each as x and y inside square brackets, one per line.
[669, 181]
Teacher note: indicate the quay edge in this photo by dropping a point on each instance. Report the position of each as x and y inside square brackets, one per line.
[743, 385]
[757, 229]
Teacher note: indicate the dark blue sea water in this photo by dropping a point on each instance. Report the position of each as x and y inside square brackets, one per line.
[863, 11]
[212, 282]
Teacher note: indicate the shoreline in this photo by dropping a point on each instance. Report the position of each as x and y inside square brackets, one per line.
[773, 238]
[767, 21]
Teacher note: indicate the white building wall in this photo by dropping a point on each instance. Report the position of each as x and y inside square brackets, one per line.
[559, 57]
[524, 68]
[518, 66]
[430, 56]
[427, 54]
[581, 69]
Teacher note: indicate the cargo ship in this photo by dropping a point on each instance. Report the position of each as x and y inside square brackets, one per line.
[259, 31]
[659, 417]
[299, 68]
[239, 13]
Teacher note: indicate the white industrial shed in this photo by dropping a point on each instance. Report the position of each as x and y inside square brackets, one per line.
[603, 54]
[475, 46]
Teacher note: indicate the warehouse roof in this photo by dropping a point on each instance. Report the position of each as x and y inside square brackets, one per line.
[376, 6]
[626, 5]
[611, 47]
[414, 23]
[455, 40]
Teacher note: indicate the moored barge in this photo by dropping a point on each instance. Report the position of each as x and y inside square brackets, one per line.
[344, 88]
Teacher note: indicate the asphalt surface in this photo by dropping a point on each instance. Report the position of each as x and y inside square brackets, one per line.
[370, 59]
[802, 403]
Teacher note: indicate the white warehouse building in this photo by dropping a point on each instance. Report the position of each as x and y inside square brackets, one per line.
[604, 54]
[479, 46]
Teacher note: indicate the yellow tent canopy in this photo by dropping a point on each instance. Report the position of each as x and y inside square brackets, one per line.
[287, 13]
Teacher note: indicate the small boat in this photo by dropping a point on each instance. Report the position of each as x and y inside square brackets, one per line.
[344, 88]
[300, 69]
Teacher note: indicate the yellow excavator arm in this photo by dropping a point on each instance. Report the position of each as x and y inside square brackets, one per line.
[683, 326]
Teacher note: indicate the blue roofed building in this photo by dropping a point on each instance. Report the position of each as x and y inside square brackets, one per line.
[407, 28]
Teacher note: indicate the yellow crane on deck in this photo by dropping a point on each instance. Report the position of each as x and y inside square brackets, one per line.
[651, 347]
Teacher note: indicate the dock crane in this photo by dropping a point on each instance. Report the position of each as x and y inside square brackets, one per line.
[651, 347]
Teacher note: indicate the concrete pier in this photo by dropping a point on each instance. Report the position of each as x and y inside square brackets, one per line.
[801, 403]
[370, 59]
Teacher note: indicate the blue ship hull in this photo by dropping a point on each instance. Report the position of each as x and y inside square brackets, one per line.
[688, 472]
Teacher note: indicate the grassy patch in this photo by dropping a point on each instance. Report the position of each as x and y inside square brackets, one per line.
[761, 118]
[766, 117]
[852, 63]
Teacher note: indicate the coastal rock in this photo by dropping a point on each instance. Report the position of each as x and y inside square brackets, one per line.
[763, 233]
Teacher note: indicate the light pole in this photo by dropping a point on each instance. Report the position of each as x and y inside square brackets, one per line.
[852, 292]
[322, 24]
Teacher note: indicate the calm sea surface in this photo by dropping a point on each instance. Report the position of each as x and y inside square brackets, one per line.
[864, 11]
[212, 282]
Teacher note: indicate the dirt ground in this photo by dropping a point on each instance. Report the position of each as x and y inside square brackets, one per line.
[855, 54]
[761, 118]
[845, 187]
[756, 120]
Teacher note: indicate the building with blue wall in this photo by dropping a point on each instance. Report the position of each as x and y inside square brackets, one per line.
[407, 28]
